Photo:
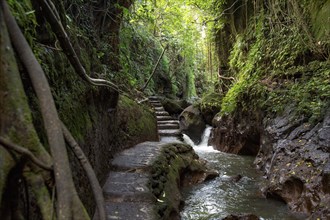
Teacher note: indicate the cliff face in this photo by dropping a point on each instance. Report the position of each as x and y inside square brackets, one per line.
[276, 108]
[102, 121]
[294, 156]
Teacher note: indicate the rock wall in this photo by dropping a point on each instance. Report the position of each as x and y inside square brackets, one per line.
[294, 156]
[292, 153]
[113, 129]
[238, 134]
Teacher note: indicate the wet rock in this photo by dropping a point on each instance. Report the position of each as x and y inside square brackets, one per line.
[194, 177]
[210, 105]
[292, 153]
[295, 158]
[167, 173]
[242, 217]
[236, 178]
[192, 123]
[238, 134]
[173, 107]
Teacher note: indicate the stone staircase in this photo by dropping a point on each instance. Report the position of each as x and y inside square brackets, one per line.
[168, 127]
[126, 191]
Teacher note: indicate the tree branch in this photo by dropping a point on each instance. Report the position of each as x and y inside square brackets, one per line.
[67, 47]
[154, 70]
[66, 192]
[224, 77]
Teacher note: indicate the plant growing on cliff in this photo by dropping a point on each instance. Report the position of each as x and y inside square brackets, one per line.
[13, 134]
[274, 64]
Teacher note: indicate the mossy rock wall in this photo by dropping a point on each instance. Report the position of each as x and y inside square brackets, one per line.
[100, 120]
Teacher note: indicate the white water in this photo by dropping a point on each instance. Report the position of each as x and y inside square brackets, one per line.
[203, 146]
[220, 197]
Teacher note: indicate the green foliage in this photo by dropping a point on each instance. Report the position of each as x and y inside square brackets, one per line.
[306, 87]
[210, 101]
[274, 66]
[249, 73]
[178, 24]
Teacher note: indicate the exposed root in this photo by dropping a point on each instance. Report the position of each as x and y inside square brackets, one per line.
[21, 150]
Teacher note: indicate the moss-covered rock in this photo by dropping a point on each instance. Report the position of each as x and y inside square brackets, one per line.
[192, 123]
[137, 122]
[170, 170]
[173, 107]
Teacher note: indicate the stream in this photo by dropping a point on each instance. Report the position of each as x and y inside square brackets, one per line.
[222, 196]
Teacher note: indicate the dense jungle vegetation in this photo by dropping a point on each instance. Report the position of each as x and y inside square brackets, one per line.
[224, 55]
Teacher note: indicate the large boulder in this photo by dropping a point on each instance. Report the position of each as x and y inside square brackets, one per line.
[238, 133]
[174, 106]
[192, 123]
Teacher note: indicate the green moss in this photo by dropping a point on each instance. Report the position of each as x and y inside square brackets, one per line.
[273, 67]
[25, 17]
[320, 16]
[134, 119]
[166, 173]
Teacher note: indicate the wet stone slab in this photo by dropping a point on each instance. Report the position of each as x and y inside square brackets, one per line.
[159, 109]
[130, 211]
[139, 157]
[161, 113]
[164, 118]
[168, 126]
[172, 139]
[168, 122]
[128, 187]
[169, 132]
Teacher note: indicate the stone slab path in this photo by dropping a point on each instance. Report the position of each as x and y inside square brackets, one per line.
[126, 191]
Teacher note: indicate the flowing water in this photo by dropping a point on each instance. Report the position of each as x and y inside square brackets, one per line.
[222, 196]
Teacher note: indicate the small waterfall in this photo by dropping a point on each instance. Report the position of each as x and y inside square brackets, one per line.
[203, 146]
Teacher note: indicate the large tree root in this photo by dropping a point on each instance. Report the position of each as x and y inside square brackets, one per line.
[53, 18]
[68, 202]
[97, 190]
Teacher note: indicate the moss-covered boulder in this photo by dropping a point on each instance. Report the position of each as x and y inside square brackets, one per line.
[137, 122]
[192, 123]
[175, 166]
[173, 106]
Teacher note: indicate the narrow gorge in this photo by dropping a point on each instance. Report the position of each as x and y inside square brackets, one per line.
[187, 109]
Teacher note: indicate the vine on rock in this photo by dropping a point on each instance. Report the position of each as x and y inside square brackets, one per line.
[68, 204]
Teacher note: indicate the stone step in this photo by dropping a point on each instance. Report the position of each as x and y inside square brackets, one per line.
[168, 126]
[154, 101]
[161, 113]
[140, 157]
[130, 210]
[168, 122]
[169, 132]
[156, 104]
[127, 187]
[170, 139]
[159, 109]
[153, 98]
[164, 118]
